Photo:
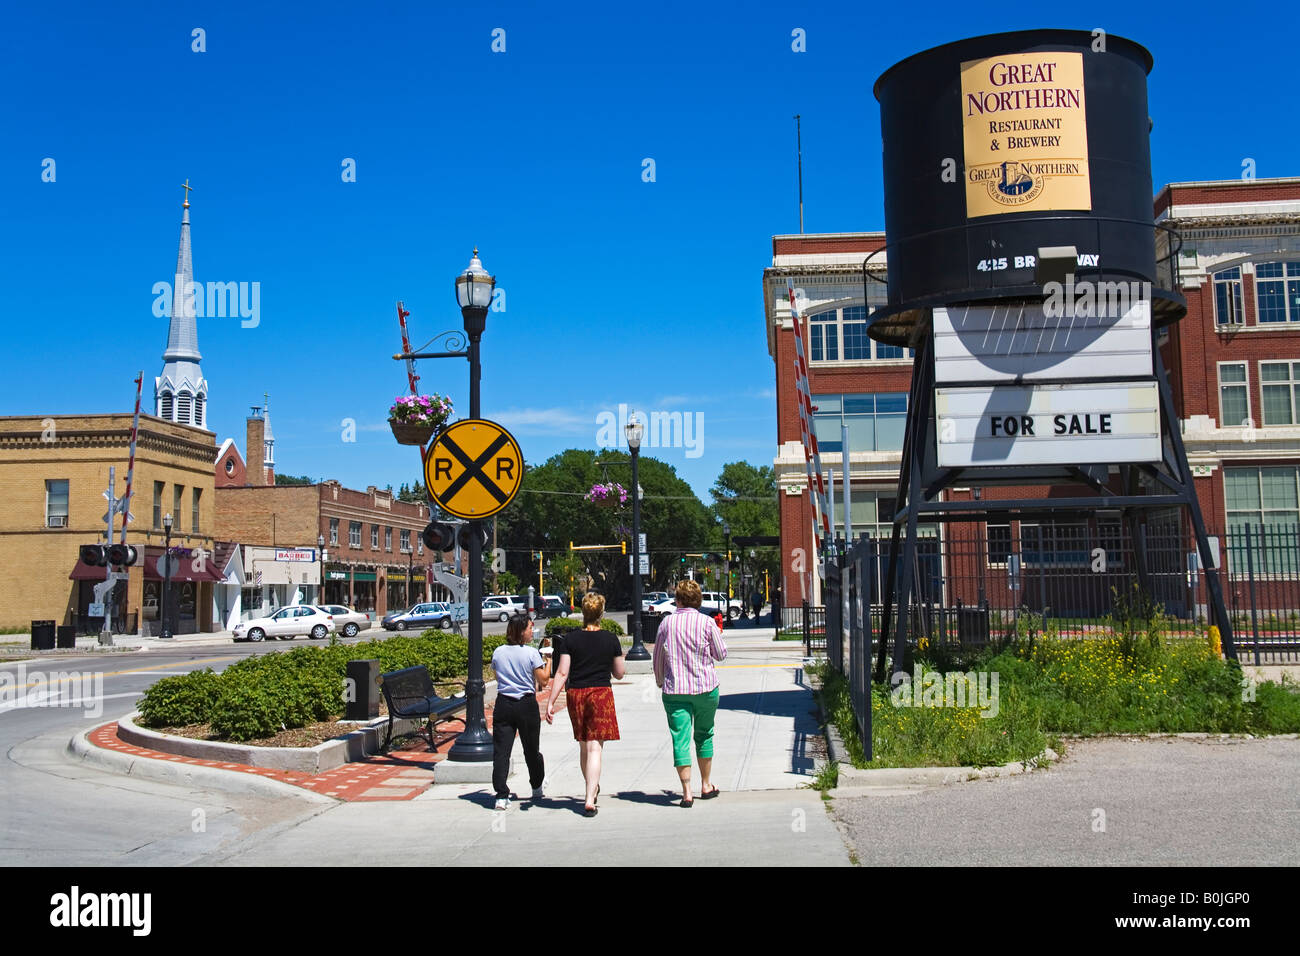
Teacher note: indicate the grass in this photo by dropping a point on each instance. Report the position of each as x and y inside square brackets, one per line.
[1135, 680]
[827, 778]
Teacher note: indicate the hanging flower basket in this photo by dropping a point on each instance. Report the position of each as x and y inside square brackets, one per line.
[611, 495]
[415, 419]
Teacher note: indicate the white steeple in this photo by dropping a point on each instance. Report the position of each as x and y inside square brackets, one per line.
[181, 391]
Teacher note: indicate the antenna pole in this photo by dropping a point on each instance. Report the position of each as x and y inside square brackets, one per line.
[798, 132]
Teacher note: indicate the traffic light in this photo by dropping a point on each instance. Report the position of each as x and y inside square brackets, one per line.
[623, 544]
[99, 556]
[439, 537]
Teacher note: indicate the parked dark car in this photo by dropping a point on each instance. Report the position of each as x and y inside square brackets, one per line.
[553, 607]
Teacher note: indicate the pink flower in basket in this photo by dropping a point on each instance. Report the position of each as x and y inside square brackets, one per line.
[610, 494]
[421, 410]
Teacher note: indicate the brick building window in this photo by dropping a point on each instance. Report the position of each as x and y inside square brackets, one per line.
[1267, 501]
[841, 335]
[404, 539]
[999, 543]
[1277, 292]
[56, 503]
[334, 532]
[1279, 390]
[1234, 397]
[1227, 297]
[388, 539]
[374, 536]
[198, 495]
[157, 504]
[354, 534]
[876, 421]
[178, 497]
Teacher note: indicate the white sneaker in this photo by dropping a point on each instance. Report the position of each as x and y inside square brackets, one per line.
[537, 793]
[503, 803]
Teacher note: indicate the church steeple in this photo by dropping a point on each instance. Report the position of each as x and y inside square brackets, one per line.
[181, 391]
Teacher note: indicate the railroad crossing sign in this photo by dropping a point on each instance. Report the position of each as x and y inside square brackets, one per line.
[473, 469]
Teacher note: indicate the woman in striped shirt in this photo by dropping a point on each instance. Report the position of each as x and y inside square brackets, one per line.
[687, 644]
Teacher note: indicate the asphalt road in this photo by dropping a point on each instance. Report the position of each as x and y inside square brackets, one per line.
[1162, 802]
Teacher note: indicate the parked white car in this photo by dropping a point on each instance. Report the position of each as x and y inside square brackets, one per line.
[286, 624]
[346, 620]
[710, 602]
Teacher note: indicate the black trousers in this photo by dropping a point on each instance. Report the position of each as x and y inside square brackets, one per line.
[508, 716]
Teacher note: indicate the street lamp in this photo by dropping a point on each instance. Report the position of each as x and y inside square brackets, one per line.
[167, 574]
[474, 294]
[320, 544]
[635, 431]
[726, 574]
[410, 562]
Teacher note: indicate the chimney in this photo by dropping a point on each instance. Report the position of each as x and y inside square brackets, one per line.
[254, 443]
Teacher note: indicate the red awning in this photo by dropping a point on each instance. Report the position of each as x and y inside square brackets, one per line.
[186, 571]
[84, 572]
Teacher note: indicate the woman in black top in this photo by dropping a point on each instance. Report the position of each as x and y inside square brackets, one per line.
[588, 658]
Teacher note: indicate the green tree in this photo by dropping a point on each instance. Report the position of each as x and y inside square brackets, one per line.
[413, 493]
[293, 480]
[550, 512]
[745, 498]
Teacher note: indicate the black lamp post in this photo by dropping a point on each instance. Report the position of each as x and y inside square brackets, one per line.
[167, 574]
[474, 295]
[320, 553]
[726, 574]
[637, 652]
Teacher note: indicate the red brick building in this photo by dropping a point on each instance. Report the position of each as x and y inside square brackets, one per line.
[1234, 369]
[371, 540]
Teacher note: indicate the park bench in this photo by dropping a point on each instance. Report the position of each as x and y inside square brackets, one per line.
[410, 693]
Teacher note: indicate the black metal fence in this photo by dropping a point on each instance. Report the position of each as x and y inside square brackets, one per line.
[978, 583]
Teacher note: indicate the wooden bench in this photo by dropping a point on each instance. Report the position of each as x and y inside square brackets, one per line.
[410, 693]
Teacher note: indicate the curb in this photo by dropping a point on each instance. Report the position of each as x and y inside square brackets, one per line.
[853, 778]
[1184, 735]
[186, 775]
[354, 745]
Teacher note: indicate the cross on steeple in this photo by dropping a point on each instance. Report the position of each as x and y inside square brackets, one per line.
[188, 189]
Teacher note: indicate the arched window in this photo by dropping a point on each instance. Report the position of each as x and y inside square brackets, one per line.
[165, 406]
[198, 411]
[183, 408]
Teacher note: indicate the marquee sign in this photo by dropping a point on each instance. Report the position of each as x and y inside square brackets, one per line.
[1021, 342]
[1062, 424]
[296, 554]
[1025, 133]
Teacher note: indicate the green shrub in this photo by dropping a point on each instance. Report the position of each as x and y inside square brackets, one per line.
[181, 700]
[560, 624]
[261, 695]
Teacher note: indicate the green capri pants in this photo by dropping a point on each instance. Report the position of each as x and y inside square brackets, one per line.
[685, 710]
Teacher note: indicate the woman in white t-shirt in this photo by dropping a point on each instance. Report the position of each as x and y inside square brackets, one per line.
[521, 672]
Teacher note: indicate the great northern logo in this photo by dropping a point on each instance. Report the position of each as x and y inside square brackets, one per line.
[1017, 183]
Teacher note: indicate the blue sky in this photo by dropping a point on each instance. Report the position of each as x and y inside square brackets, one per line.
[617, 290]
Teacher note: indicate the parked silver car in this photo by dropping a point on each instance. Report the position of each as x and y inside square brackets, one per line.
[347, 620]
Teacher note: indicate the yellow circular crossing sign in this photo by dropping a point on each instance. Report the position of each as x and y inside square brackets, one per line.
[473, 469]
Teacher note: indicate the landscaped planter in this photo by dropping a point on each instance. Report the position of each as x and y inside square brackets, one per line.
[412, 433]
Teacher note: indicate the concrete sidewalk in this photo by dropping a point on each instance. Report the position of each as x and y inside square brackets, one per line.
[762, 763]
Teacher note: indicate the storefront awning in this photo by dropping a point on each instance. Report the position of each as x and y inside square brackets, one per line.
[208, 570]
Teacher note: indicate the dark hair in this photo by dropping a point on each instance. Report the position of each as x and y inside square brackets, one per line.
[515, 629]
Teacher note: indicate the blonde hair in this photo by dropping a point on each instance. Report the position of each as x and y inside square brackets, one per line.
[689, 594]
[593, 607]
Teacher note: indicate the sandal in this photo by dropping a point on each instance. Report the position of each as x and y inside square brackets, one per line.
[711, 794]
[589, 811]
[687, 803]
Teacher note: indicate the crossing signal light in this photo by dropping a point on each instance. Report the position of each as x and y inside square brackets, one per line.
[467, 529]
[439, 537]
[99, 556]
[123, 554]
[624, 546]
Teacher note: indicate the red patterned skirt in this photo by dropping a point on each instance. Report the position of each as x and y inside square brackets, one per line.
[591, 711]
